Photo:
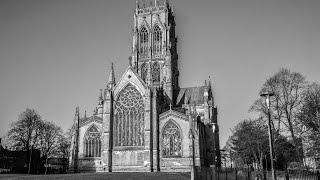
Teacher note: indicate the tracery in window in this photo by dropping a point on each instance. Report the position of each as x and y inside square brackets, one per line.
[129, 118]
[156, 72]
[171, 140]
[92, 142]
[144, 71]
[144, 42]
[157, 36]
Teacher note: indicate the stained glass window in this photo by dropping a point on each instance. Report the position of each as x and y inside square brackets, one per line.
[171, 139]
[129, 118]
[157, 36]
[156, 72]
[144, 42]
[144, 71]
[92, 142]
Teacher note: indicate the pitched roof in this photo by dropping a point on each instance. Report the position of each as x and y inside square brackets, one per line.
[191, 95]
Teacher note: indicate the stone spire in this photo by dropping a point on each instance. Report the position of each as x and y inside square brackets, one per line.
[206, 91]
[112, 80]
[76, 116]
[137, 4]
[100, 96]
[210, 90]
[100, 103]
[76, 141]
[85, 115]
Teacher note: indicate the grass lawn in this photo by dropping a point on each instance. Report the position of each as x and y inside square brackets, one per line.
[107, 176]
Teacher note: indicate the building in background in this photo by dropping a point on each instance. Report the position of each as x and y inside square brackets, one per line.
[17, 161]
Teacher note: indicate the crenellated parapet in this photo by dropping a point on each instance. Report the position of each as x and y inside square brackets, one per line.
[153, 7]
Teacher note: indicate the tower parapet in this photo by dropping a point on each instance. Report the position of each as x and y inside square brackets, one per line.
[157, 7]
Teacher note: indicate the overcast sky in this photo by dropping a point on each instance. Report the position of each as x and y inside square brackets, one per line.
[55, 54]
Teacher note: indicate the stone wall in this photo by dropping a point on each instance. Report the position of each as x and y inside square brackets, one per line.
[128, 158]
[90, 165]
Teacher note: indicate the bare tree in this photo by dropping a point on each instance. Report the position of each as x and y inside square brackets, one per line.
[24, 133]
[49, 140]
[288, 88]
[64, 144]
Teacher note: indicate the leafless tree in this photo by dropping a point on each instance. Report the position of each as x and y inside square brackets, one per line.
[49, 139]
[25, 133]
[289, 88]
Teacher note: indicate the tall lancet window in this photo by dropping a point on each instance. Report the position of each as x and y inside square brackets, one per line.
[157, 36]
[156, 72]
[144, 42]
[92, 142]
[144, 71]
[129, 118]
[171, 139]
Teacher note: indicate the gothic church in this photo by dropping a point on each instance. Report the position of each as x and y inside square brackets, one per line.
[145, 121]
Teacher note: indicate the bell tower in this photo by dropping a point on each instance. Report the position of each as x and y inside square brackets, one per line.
[154, 47]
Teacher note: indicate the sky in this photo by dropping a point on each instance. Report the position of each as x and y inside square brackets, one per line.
[55, 54]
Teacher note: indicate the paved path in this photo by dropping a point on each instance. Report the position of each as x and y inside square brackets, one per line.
[105, 176]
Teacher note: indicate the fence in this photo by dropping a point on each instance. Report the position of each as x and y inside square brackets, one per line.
[206, 173]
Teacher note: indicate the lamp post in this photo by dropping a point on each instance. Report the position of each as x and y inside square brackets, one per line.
[214, 150]
[267, 99]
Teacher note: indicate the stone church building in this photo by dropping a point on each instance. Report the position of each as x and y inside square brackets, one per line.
[145, 121]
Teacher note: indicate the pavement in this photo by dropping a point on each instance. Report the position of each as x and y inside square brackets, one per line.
[105, 176]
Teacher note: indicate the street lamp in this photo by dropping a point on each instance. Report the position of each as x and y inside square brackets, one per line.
[214, 149]
[267, 99]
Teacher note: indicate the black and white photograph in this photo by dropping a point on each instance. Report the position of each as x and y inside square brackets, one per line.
[160, 89]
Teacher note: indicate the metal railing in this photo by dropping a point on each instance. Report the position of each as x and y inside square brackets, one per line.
[206, 173]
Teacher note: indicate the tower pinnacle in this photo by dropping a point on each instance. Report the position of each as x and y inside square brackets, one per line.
[111, 81]
[100, 97]
[76, 116]
[137, 4]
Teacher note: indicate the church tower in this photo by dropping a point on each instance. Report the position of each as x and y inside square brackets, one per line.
[145, 121]
[154, 48]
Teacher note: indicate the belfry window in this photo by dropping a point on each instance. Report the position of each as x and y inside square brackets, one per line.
[157, 36]
[144, 71]
[156, 72]
[171, 136]
[92, 142]
[144, 42]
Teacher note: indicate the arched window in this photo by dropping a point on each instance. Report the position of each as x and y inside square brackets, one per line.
[144, 71]
[156, 72]
[144, 42]
[157, 36]
[171, 139]
[129, 118]
[92, 142]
